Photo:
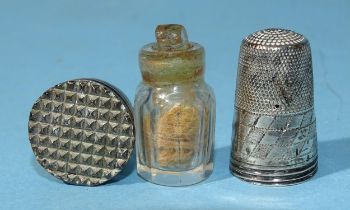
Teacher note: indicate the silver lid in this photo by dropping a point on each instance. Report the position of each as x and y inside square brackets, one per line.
[82, 131]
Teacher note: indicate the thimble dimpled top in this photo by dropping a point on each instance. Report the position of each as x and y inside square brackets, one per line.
[274, 138]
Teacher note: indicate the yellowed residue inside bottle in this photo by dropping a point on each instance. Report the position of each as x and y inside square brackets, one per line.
[177, 134]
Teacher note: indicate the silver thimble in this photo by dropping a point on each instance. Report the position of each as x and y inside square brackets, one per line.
[274, 134]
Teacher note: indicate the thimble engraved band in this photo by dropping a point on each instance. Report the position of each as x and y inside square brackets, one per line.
[274, 138]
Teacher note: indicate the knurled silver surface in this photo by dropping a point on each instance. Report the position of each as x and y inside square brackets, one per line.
[82, 131]
[275, 128]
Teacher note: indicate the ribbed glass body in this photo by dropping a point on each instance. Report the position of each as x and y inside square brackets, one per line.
[175, 128]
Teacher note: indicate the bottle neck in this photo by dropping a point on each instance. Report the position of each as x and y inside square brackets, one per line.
[174, 81]
[181, 74]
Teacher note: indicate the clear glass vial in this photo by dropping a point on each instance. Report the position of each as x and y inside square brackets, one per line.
[174, 111]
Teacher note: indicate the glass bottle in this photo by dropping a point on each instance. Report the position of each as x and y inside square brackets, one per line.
[174, 111]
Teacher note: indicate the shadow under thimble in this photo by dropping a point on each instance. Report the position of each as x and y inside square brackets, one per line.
[275, 141]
